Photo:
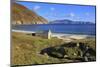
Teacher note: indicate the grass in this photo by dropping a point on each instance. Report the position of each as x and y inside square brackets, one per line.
[26, 49]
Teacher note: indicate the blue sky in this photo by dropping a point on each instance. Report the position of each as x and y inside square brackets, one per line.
[61, 11]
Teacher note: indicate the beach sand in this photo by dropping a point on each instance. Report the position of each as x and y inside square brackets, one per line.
[71, 37]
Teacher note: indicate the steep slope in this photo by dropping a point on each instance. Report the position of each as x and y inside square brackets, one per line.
[22, 15]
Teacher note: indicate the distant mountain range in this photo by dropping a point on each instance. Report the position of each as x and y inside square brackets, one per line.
[66, 21]
[22, 15]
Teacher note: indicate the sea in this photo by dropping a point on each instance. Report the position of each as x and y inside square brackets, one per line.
[86, 29]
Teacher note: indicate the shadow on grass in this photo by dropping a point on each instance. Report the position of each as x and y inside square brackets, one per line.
[71, 51]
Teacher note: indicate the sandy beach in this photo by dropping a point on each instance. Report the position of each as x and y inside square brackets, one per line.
[71, 37]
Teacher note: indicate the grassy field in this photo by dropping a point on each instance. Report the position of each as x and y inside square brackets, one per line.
[26, 49]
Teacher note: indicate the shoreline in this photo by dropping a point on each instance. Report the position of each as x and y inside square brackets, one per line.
[58, 34]
[54, 34]
[64, 36]
[71, 37]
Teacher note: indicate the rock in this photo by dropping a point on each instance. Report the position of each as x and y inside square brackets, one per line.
[70, 44]
[57, 54]
[72, 52]
[65, 56]
[82, 46]
[78, 44]
[86, 58]
[46, 55]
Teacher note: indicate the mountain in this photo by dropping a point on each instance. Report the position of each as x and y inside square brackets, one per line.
[66, 21]
[22, 15]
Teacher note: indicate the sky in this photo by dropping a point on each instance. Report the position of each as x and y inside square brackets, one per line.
[51, 11]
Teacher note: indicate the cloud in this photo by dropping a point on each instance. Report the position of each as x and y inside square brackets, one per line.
[87, 14]
[52, 12]
[36, 7]
[72, 14]
[52, 8]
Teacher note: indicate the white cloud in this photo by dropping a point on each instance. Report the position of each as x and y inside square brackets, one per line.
[36, 7]
[87, 14]
[72, 14]
[52, 8]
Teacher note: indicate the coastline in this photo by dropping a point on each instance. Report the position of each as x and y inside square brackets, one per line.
[71, 37]
[64, 36]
